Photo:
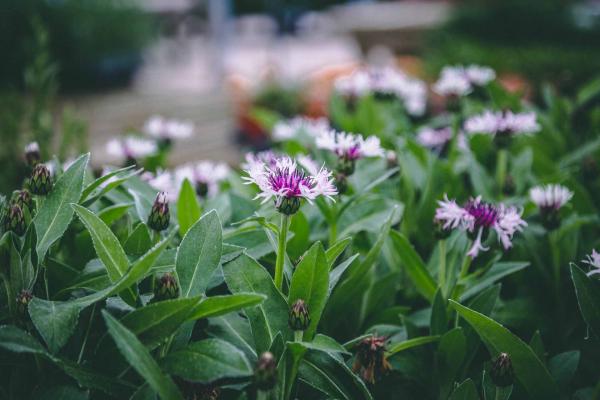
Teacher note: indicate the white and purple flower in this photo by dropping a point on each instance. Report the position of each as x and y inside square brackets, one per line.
[131, 148]
[288, 184]
[293, 128]
[504, 123]
[165, 129]
[480, 217]
[550, 197]
[205, 175]
[350, 146]
[435, 139]
[593, 260]
[460, 81]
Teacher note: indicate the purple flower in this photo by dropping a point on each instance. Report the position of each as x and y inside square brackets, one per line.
[550, 197]
[292, 128]
[205, 175]
[434, 139]
[503, 123]
[594, 261]
[480, 217]
[459, 81]
[350, 146]
[168, 129]
[286, 180]
[130, 148]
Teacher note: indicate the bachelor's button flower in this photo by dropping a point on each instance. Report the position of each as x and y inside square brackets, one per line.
[32, 154]
[478, 218]
[435, 139]
[130, 148]
[371, 360]
[205, 175]
[288, 184]
[292, 128]
[479, 75]
[268, 157]
[453, 82]
[163, 181]
[349, 148]
[502, 123]
[168, 129]
[593, 260]
[550, 197]
[159, 217]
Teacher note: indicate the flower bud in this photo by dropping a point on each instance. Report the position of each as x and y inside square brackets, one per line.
[265, 373]
[345, 166]
[341, 183]
[299, 317]
[40, 182]
[201, 189]
[32, 154]
[550, 218]
[370, 359]
[509, 188]
[501, 372]
[159, 215]
[14, 220]
[23, 199]
[166, 287]
[23, 299]
[287, 205]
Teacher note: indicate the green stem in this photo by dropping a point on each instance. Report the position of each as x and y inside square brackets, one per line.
[262, 395]
[298, 336]
[9, 294]
[87, 333]
[464, 269]
[283, 228]
[442, 271]
[332, 233]
[501, 168]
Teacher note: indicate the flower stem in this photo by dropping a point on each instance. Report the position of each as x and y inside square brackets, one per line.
[298, 336]
[501, 167]
[442, 271]
[283, 228]
[332, 233]
[464, 269]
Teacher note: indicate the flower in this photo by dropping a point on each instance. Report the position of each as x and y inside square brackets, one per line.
[501, 372]
[205, 175]
[130, 148]
[594, 261]
[350, 146]
[478, 216]
[165, 287]
[163, 181]
[299, 316]
[385, 82]
[434, 139]
[550, 197]
[503, 123]
[159, 217]
[292, 128]
[268, 157]
[460, 81]
[371, 360]
[32, 153]
[168, 129]
[285, 181]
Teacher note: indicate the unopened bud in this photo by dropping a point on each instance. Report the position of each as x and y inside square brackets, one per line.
[166, 287]
[370, 359]
[287, 205]
[23, 199]
[345, 166]
[550, 218]
[40, 182]
[502, 373]
[14, 220]
[299, 317]
[23, 299]
[159, 215]
[32, 154]
[265, 373]
[341, 183]
[509, 188]
[201, 189]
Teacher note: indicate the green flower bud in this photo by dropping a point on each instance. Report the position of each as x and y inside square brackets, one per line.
[23, 299]
[166, 287]
[14, 220]
[287, 205]
[502, 373]
[341, 183]
[40, 182]
[265, 373]
[509, 188]
[299, 317]
[159, 215]
[32, 154]
[201, 189]
[345, 166]
[23, 199]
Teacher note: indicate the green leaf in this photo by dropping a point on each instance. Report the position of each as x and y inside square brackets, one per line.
[235, 329]
[92, 186]
[465, 391]
[188, 208]
[207, 361]
[116, 182]
[155, 322]
[110, 214]
[529, 370]
[451, 353]
[336, 274]
[199, 254]
[63, 393]
[55, 214]
[244, 274]
[588, 297]
[310, 283]
[414, 266]
[288, 368]
[495, 273]
[439, 320]
[139, 241]
[334, 251]
[563, 367]
[410, 343]
[328, 374]
[140, 359]
[56, 320]
[219, 305]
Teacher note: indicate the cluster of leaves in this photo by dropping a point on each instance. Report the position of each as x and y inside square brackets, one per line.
[393, 312]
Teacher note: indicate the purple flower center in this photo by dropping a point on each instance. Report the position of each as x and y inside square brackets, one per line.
[351, 154]
[485, 214]
[289, 182]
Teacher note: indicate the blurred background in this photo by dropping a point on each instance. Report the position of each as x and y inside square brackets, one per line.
[75, 73]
